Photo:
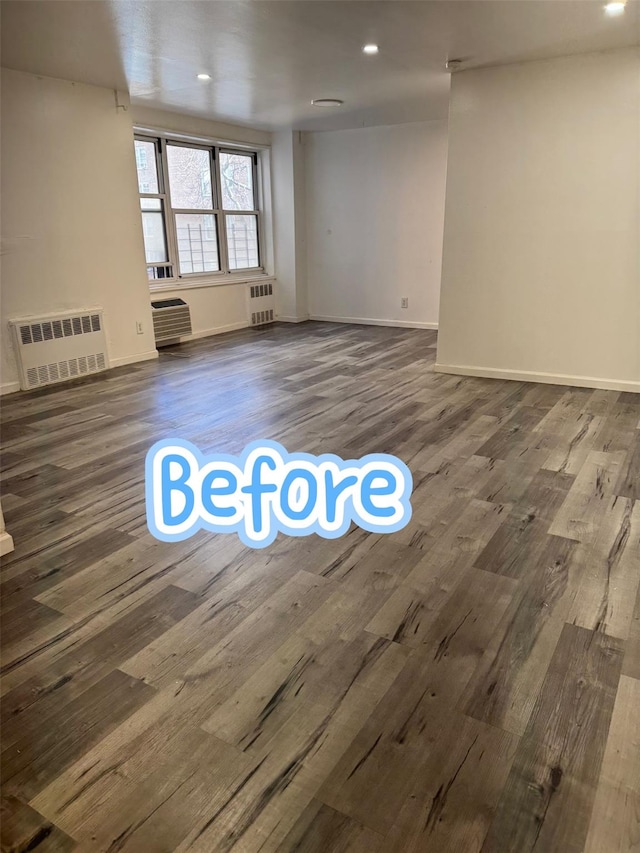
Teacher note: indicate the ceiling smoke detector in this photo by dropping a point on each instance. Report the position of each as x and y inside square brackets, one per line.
[453, 64]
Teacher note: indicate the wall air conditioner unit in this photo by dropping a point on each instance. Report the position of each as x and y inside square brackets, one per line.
[171, 320]
[56, 347]
[261, 303]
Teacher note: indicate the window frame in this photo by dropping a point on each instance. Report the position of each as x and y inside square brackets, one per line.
[256, 202]
[161, 142]
[213, 211]
[162, 197]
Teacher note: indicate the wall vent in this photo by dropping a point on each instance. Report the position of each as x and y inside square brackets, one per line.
[257, 290]
[58, 347]
[259, 318]
[171, 320]
[261, 303]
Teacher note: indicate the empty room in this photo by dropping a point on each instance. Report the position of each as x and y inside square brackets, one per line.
[320, 426]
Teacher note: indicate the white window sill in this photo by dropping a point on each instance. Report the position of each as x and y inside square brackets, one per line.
[195, 282]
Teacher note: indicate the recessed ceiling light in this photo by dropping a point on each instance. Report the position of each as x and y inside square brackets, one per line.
[370, 49]
[204, 76]
[327, 102]
[614, 9]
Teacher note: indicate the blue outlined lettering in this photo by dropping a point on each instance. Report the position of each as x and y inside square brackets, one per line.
[312, 494]
[332, 490]
[370, 489]
[256, 489]
[170, 486]
[209, 490]
[266, 490]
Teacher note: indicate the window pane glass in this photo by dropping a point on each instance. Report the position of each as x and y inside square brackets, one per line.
[197, 242]
[155, 247]
[236, 174]
[242, 241]
[189, 178]
[150, 204]
[147, 166]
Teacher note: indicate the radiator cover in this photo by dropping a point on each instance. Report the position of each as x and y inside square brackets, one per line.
[56, 347]
[261, 303]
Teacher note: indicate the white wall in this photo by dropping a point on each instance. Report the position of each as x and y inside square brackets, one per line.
[71, 230]
[375, 210]
[289, 216]
[194, 126]
[541, 270]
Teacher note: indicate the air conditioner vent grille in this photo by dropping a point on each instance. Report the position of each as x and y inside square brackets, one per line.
[171, 319]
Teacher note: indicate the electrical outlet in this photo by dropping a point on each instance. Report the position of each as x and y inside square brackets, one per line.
[139, 329]
[404, 302]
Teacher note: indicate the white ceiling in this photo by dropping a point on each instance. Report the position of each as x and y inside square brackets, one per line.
[269, 58]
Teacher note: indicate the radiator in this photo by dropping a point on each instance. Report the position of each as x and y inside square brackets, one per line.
[261, 303]
[57, 347]
[171, 320]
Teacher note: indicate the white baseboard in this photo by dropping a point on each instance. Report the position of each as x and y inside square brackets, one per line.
[132, 359]
[9, 388]
[547, 378]
[369, 321]
[6, 543]
[285, 318]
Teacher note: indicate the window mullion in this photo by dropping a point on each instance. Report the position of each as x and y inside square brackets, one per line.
[255, 181]
[172, 238]
[258, 200]
[260, 239]
[220, 218]
[215, 188]
[222, 236]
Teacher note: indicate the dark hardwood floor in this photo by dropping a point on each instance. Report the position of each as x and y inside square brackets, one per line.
[470, 683]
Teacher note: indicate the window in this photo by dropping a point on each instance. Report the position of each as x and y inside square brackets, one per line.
[152, 208]
[238, 194]
[199, 208]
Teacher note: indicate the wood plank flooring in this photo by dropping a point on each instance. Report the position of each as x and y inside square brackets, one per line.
[470, 683]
